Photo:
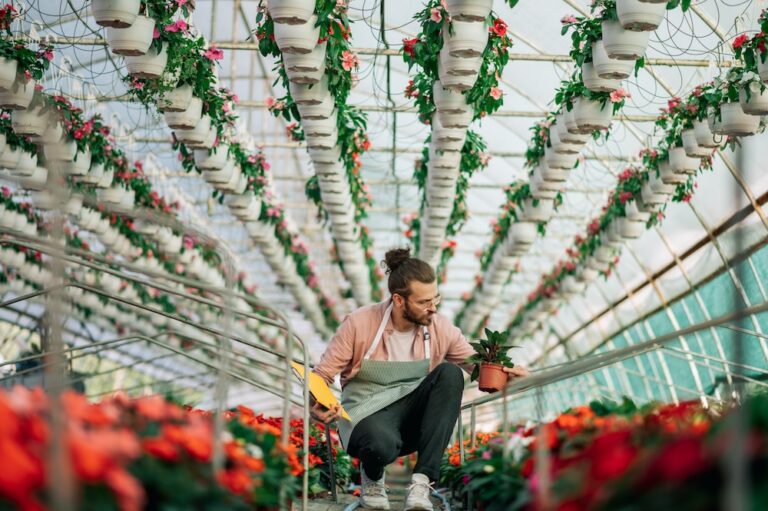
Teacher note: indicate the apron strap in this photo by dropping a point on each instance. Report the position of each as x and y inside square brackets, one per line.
[380, 333]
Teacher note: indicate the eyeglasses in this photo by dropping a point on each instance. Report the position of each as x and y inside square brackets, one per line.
[425, 304]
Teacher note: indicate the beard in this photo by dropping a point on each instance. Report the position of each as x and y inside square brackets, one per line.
[420, 318]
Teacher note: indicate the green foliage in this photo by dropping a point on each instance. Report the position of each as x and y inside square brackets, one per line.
[491, 350]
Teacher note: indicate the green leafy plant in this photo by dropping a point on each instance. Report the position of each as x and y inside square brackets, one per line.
[491, 350]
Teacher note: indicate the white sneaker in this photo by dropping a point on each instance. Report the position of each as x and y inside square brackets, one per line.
[373, 494]
[418, 494]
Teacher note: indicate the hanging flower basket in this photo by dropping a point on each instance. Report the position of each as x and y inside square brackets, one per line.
[454, 82]
[638, 15]
[305, 77]
[186, 119]
[448, 101]
[593, 82]
[557, 160]
[591, 115]
[196, 135]
[291, 12]
[541, 189]
[332, 155]
[607, 67]
[448, 145]
[19, 95]
[459, 66]
[33, 121]
[704, 136]
[176, 100]
[756, 104]
[115, 13]
[681, 163]
[8, 69]
[633, 212]
[572, 286]
[692, 148]
[106, 180]
[659, 187]
[449, 160]
[53, 133]
[734, 122]
[134, 40]
[605, 254]
[320, 127]
[94, 174]
[442, 134]
[457, 121]
[469, 10]
[323, 110]
[299, 38]
[465, 39]
[211, 160]
[559, 146]
[564, 124]
[311, 62]
[328, 142]
[596, 265]
[623, 44]
[222, 175]
[669, 175]
[26, 165]
[9, 157]
[629, 228]
[548, 173]
[330, 172]
[306, 94]
[587, 275]
[540, 212]
[150, 65]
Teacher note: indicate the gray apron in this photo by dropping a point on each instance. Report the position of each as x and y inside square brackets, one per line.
[378, 384]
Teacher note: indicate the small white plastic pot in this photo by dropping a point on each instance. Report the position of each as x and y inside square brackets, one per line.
[307, 94]
[448, 101]
[291, 12]
[305, 77]
[469, 66]
[756, 104]
[591, 115]
[669, 176]
[469, 10]
[456, 121]
[606, 67]
[331, 156]
[638, 15]
[33, 121]
[629, 228]
[704, 136]
[465, 39]
[176, 100]
[542, 211]
[567, 129]
[196, 135]
[320, 127]
[439, 160]
[323, 110]
[133, 40]
[211, 159]
[115, 13]
[734, 122]
[547, 173]
[594, 82]
[8, 69]
[557, 160]
[19, 95]
[561, 147]
[680, 162]
[692, 148]
[298, 38]
[623, 44]
[150, 65]
[185, 119]
[311, 62]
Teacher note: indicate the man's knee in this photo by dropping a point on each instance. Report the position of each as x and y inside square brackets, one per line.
[382, 447]
[450, 375]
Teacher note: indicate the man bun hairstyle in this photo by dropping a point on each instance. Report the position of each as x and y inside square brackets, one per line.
[404, 269]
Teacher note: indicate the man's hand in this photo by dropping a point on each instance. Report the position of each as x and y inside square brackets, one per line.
[325, 415]
[516, 371]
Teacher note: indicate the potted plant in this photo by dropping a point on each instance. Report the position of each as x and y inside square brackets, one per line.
[21, 68]
[133, 40]
[727, 116]
[640, 15]
[753, 96]
[299, 38]
[115, 13]
[465, 39]
[291, 12]
[469, 10]
[490, 359]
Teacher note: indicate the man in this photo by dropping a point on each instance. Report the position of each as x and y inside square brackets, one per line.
[401, 382]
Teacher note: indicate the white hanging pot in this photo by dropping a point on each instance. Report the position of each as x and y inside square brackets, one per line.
[111, 195]
[305, 77]
[320, 127]
[330, 171]
[704, 137]
[8, 69]
[757, 104]
[331, 156]
[607, 67]
[36, 181]
[623, 44]
[540, 212]
[692, 148]
[9, 158]
[176, 100]
[150, 65]
[291, 12]
[128, 201]
[448, 101]
[133, 40]
[109, 238]
[523, 233]
[638, 15]
[64, 150]
[593, 82]
[570, 124]
[572, 286]
[198, 134]
[454, 82]
[443, 176]
[26, 165]
[300, 38]
[186, 119]
[323, 110]
[735, 123]
[443, 160]
[223, 175]
[568, 130]
[465, 39]
[144, 227]
[3, 142]
[469, 10]
[762, 67]
[78, 166]
[106, 179]
[458, 121]
[559, 146]
[52, 134]
[312, 62]
[541, 189]
[31, 122]
[440, 194]
[634, 213]
[557, 160]
[305, 94]
[442, 134]
[211, 160]
[591, 115]
[547, 173]
[19, 95]
[659, 187]
[681, 162]
[115, 13]
[460, 66]
[94, 174]
[44, 200]
[328, 142]
[454, 146]
[669, 176]
[630, 229]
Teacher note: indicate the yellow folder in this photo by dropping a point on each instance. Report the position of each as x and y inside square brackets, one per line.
[320, 390]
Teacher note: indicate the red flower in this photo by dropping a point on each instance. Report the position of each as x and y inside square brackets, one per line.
[624, 197]
[499, 27]
[408, 46]
[739, 41]
[160, 448]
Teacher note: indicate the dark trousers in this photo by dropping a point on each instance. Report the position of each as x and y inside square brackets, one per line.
[420, 422]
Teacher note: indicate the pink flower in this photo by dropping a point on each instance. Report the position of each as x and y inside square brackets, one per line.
[349, 60]
[155, 33]
[619, 94]
[496, 93]
[179, 26]
[567, 20]
[270, 101]
[213, 53]
[436, 15]
[48, 54]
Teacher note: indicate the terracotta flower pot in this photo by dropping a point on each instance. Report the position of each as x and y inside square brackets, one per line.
[492, 377]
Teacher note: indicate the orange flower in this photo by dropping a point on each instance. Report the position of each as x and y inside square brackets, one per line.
[89, 461]
[160, 448]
